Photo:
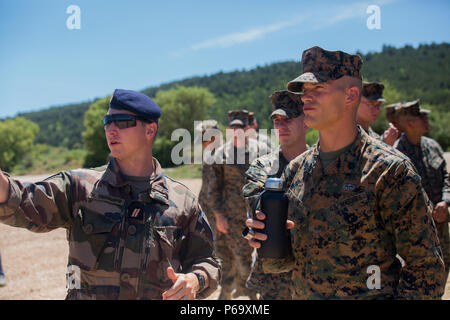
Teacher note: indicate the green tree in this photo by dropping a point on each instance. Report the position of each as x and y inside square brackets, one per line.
[180, 107]
[16, 139]
[94, 136]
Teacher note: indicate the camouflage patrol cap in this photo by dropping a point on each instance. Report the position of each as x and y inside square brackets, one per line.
[373, 91]
[286, 103]
[238, 118]
[391, 109]
[412, 108]
[320, 66]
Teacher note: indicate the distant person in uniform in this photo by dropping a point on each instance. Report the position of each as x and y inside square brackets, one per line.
[428, 158]
[287, 117]
[133, 232]
[369, 108]
[354, 202]
[207, 170]
[231, 160]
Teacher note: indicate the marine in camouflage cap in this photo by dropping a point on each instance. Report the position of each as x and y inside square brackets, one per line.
[373, 91]
[411, 108]
[320, 65]
[286, 104]
[354, 202]
[238, 118]
[369, 108]
[428, 158]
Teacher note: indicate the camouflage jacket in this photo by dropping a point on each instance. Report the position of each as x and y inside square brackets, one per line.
[428, 158]
[373, 134]
[267, 166]
[354, 217]
[227, 181]
[120, 246]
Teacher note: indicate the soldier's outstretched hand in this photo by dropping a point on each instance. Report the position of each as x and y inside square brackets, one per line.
[4, 187]
[259, 225]
[185, 286]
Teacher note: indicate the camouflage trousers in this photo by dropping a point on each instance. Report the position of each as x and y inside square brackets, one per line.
[444, 240]
[235, 255]
[270, 286]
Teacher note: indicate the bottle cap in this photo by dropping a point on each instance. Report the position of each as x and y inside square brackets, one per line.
[274, 184]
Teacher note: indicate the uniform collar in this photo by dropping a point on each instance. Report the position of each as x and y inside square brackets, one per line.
[158, 183]
[348, 161]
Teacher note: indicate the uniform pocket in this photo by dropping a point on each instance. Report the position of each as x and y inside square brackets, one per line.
[92, 239]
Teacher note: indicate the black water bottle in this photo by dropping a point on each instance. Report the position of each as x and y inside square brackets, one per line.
[274, 204]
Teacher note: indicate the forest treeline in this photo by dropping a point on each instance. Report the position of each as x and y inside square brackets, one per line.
[409, 73]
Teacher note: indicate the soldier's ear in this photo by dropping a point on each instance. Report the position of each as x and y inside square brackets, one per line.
[150, 129]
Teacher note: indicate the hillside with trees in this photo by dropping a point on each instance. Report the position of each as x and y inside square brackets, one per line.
[408, 73]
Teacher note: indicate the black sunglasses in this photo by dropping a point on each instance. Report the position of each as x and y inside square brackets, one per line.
[123, 120]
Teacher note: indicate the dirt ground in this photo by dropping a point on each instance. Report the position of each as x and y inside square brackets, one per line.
[35, 264]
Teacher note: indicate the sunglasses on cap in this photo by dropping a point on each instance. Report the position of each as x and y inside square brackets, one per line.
[123, 120]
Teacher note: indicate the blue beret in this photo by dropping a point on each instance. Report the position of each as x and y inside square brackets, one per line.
[136, 102]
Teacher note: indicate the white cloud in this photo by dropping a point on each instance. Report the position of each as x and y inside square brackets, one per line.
[320, 20]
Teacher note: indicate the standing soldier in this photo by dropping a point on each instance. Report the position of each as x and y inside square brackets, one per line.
[354, 202]
[428, 158]
[231, 160]
[288, 120]
[207, 170]
[133, 232]
[369, 108]
[392, 117]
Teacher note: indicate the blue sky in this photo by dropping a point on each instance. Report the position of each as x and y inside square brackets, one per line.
[136, 44]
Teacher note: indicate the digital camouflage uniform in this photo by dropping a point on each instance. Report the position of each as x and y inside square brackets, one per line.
[355, 215]
[373, 134]
[428, 158]
[363, 209]
[207, 172]
[225, 194]
[271, 286]
[120, 255]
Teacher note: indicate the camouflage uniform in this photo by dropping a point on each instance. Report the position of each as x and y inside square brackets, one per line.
[270, 286]
[428, 158]
[120, 255]
[225, 194]
[207, 172]
[358, 213]
[373, 134]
